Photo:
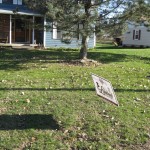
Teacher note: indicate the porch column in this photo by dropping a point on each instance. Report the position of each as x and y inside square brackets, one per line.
[33, 30]
[10, 30]
[44, 36]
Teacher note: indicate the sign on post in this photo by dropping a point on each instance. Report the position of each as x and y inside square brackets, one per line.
[104, 89]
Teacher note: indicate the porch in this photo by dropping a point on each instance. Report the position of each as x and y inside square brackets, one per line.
[22, 46]
[19, 30]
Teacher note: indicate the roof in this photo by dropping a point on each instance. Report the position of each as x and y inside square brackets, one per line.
[20, 9]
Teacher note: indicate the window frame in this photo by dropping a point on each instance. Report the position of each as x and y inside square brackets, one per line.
[56, 34]
[17, 2]
[136, 34]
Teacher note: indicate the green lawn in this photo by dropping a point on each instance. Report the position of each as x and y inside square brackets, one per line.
[49, 103]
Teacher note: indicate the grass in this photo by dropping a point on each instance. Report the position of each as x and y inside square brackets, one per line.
[47, 103]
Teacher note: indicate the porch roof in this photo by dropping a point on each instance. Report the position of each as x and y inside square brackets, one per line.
[20, 9]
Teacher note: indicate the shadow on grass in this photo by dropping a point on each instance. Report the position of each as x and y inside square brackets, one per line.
[111, 57]
[106, 46]
[70, 89]
[107, 57]
[132, 90]
[28, 121]
[47, 89]
[14, 59]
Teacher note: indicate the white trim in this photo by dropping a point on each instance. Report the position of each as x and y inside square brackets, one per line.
[19, 13]
[33, 30]
[136, 35]
[19, 2]
[10, 30]
[44, 36]
[15, 2]
[54, 30]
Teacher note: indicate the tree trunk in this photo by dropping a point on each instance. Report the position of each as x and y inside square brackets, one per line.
[84, 48]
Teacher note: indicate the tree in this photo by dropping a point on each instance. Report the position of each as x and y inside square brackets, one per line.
[90, 15]
[138, 11]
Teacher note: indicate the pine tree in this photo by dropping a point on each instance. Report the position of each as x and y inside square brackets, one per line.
[85, 17]
[90, 15]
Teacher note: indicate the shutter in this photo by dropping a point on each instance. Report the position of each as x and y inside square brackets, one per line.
[19, 2]
[15, 2]
[133, 34]
[139, 34]
[54, 30]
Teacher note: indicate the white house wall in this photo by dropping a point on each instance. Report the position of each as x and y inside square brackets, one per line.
[144, 39]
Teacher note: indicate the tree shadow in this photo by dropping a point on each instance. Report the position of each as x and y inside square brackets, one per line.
[111, 46]
[107, 57]
[132, 90]
[28, 121]
[47, 89]
[107, 47]
[13, 59]
[111, 57]
[70, 89]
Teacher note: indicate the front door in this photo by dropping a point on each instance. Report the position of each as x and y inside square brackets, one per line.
[21, 32]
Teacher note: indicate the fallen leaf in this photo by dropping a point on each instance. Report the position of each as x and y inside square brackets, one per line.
[22, 93]
[27, 100]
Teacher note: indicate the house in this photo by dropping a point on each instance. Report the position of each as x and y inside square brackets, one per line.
[137, 35]
[19, 24]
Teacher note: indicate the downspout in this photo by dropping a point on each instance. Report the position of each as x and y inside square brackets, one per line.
[44, 34]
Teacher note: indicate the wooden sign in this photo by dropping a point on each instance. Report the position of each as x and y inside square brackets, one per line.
[104, 89]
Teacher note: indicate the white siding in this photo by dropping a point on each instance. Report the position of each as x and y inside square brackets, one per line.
[144, 39]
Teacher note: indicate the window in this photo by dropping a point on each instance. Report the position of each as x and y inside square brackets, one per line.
[56, 33]
[17, 2]
[136, 34]
[63, 35]
[7, 1]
